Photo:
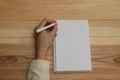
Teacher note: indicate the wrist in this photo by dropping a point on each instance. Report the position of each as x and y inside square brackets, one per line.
[41, 53]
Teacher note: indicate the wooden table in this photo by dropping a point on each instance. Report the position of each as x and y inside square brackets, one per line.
[19, 17]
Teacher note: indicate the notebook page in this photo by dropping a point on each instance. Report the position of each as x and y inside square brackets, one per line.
[72, 48]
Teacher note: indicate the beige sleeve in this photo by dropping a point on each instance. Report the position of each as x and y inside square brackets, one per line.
[38, 70]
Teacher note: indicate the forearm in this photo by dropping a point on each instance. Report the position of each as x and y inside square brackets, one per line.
[39, 68]
[41, 53]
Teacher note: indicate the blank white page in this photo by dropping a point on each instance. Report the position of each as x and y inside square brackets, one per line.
[71, 46]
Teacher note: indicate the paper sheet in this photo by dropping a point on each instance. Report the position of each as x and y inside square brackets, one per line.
[71, 46]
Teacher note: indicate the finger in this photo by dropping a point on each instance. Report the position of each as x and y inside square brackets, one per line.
[49, 21]
[43, 22]
[54, 30]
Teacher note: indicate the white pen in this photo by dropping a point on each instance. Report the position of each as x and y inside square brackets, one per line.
[44, 27]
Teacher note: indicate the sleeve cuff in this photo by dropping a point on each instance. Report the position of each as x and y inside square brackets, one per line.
[38, 63]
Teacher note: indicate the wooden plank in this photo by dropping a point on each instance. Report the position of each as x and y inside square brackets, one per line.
[97, 74]
[30, 41]
[100, 28]
[15, 74]
[102, 32]
[19, 49]
[101, 55]
[64, 9]
[106, 74]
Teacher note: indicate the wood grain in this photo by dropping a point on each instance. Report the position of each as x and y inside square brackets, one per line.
[18, 18]
[63, 9]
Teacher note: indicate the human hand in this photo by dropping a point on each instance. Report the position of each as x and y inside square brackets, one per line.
[44, 38]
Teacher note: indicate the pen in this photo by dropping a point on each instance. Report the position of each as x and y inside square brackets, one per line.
[45, 27]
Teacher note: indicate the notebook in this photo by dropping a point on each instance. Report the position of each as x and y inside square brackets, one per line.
[72, 47]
